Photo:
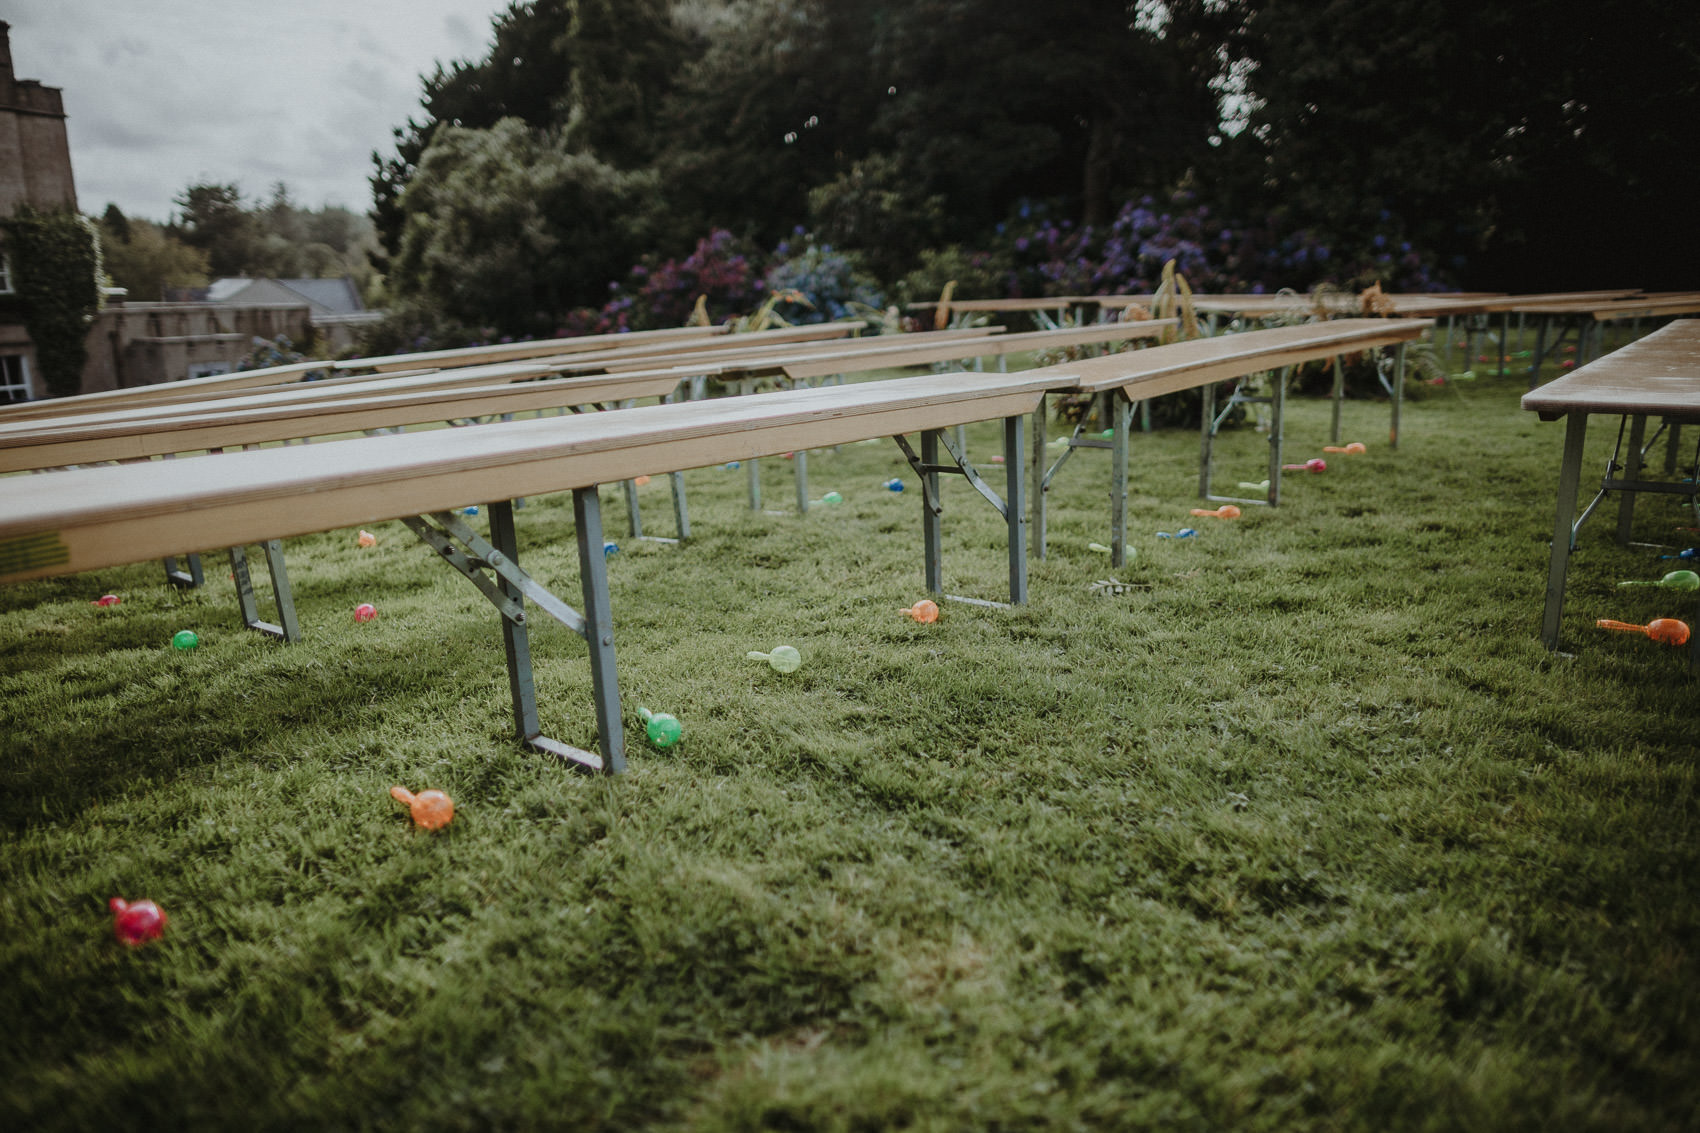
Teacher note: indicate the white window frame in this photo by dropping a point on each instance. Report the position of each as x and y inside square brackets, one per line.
[9, 387]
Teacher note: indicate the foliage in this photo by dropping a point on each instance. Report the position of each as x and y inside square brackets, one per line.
[875, 208]
[214, 219]
[56, 269]
[978, 274]
[279, 351]
[1220, 255]
[507, 228]
[145, 258]
[829, 283]
[1461, 118]
[273, 238]
[667, 293]
[1302, 832]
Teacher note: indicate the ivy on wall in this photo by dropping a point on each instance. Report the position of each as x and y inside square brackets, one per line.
[56, 272]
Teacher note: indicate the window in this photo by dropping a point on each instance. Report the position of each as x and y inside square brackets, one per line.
[14, 378]
[5, 273]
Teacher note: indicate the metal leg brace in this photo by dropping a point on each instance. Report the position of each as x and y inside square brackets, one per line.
[467, 552]
[1013, 509]
[286, 627]
[1211, 423]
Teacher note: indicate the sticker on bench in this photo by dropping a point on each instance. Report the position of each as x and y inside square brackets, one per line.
[32, 552]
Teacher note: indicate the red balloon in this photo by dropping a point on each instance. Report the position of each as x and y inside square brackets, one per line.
[136, 923]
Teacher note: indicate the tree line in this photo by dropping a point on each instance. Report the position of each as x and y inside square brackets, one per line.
[218, 233]
[1503, 144]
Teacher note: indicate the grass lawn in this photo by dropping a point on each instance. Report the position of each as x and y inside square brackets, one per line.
[1304, 829]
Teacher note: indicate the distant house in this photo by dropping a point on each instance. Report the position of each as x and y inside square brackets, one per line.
[334, 307]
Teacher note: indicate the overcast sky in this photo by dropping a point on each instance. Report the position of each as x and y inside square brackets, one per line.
[162, 94]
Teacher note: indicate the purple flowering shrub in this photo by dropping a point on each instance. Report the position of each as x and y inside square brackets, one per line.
[830, 281]
[1215, 254]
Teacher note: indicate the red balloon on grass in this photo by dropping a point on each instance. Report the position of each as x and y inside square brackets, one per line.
[136, 922]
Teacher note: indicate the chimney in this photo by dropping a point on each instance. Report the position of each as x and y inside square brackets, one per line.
[5, 53]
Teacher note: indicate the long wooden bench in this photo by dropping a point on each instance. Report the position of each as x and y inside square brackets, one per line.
[93, 517]
[1200, 364]
[87, 518]
[203, 388]
[231, 418]
[1657, 376]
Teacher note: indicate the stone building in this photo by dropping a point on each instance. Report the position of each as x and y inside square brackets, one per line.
[35, 169]
[135, 344]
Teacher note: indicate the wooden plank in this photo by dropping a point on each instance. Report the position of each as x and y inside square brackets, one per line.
[539, 348]
[1658, 375]
[750, 356]
[1187, 365]
[88, 518]
[587, 349]
[902, 354]
[646, 354]
[81, 441]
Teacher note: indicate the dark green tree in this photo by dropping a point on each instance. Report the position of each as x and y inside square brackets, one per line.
[507, 229]
[214, 219]
[526, 75]
[1519, 138]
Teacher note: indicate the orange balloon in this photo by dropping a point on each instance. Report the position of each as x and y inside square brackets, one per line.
[924, 611]
[1226, 511]
[1665, 631]
[431, 809]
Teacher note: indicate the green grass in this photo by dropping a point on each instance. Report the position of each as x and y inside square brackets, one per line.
[1306, 830]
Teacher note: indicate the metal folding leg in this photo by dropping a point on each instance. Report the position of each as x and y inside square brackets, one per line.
[681, 513]
[286, 627]
[1042, 475]
[186, 577]
[472, 555]
[1211, 422]
[1013, 509]
[1563, 531]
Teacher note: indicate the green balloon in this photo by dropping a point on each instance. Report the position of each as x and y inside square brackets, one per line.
[1675, 580]
[184, 639]
[663, 730]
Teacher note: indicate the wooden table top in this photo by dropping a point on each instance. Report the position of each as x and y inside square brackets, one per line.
[1187, 365]
[1658, 375]
[87, 518]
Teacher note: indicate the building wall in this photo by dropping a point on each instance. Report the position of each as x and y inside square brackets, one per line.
[143, 344]
[35, 169]
[35, 153]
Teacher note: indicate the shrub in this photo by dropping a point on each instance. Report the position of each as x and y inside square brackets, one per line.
[828, 279]
[56, 261]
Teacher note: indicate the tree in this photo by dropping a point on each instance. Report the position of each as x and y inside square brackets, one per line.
[144, 259]
[214, 220]
[507, 229]
[526, 75]
[1509, 137]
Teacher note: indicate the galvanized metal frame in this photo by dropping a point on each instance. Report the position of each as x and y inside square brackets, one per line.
[1567, 524]
[1012, 506]
[188, 576]
[286, 627]
[507, 589]
[1211, 422]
